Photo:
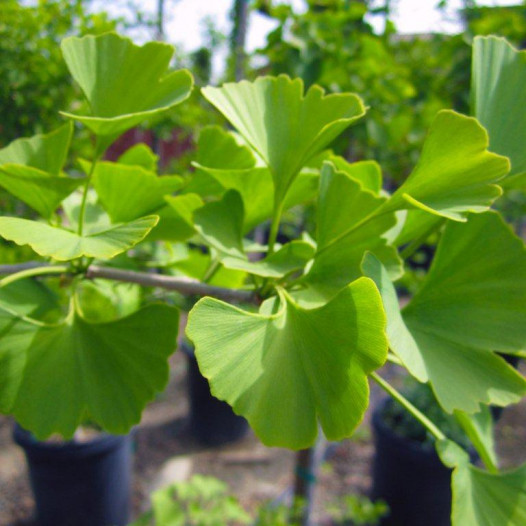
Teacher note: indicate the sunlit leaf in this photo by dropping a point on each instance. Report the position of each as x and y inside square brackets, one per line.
[41, 191]
[290, 257]
[45, 152]
[30, 169]
[286, 371]
[124, 84]
[53, 377]
[455, 173]
[65, 245]
[256, 189]
[176, 219]
[470, 304]
[499, 98]
[220, 224]
[368, 173]
[129, 192]
[285, 126]
[342, 239]
[481, 498]
[140, 155]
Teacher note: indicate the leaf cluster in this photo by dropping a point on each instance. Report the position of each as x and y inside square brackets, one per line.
[325, 313]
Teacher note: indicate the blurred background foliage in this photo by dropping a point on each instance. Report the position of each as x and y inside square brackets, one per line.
[404, 79]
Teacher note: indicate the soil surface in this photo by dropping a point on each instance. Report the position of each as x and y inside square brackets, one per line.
[166, 451]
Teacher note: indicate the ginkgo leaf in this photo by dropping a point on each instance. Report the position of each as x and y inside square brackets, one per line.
[30, 169]
[124, 84]
[290, 257]
[455, 173]
[52, 377]
[176, 219]
[45, 152]
[285, 126]
[481, 498]
[288, 370]
[129, 192]
[217, 148]
[499, 98]
[480, 430]
[39, 190]
[256, 188]
[368, 173]
[342, 240]
[28, 297]
[470, 304]
[220, 224]
[64, 245]
[140, 155]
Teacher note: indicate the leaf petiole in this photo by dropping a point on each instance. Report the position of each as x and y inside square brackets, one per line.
[82, 211]
[406, 404]
[32, 272]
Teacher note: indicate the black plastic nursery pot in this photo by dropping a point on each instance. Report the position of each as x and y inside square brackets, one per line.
[212, 421]
[410, 478]
[79, 483]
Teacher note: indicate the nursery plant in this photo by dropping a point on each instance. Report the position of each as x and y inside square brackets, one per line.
[288, 333]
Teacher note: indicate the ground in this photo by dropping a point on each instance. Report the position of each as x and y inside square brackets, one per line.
[165, 450]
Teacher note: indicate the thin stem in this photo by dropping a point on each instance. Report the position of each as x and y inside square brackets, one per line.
[32, 272]
[410, 249]
[404, 402]
[394, 359]
[13, 269]
[82, 212]
[212, 271]
[274, 227]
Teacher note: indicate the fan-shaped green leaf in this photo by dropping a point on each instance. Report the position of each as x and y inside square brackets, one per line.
[290, 257]
[124, 84]
[285, 126]
[499, 98]
[455, 172]
[218, 148]
[343, 236]
[30, 169]
[471, 303]
[65, 245]
[28, 297]
[481, 498]
[220, 224]
[41, 191]
[140, 155]
[176, 219]
[129, 192]
[368, 173]
[52, 377]
[285, 371]
[45, 152]
[256, 189]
